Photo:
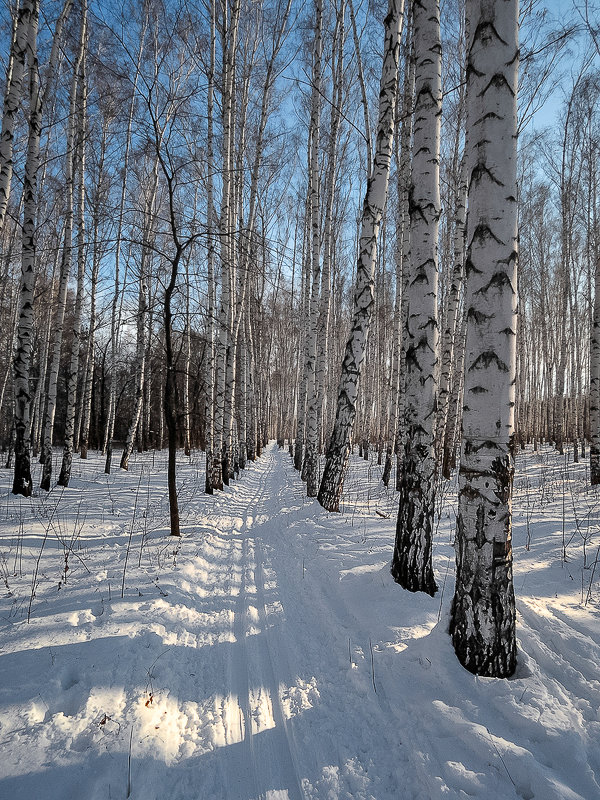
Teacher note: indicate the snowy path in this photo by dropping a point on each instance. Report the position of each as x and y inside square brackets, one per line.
[268, 655]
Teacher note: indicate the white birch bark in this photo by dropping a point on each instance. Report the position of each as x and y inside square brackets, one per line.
[411, 562]
[451, 327]
[305, 305]
[79, 158]
[337, 72]
[22, 483]
[594, 407]
[65, 270]
[483, 610]
[401, 256]
[310, 471]
[187, 362]
[225, 328]
[374, 203]
[12, 100]
[212, 477]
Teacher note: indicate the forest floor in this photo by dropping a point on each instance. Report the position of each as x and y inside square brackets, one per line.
[268, 652]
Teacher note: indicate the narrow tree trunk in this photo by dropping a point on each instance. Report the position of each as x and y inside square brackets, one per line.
[339, 444]
[79, 158]
[65, 269]
[115, 321]
[22, 483]
[411, 564]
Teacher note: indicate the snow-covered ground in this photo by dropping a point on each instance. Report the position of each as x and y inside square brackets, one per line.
[268, 653]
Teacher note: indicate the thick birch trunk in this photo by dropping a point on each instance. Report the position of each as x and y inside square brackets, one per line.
[483, 610]
[22, 483]
[411, 564]
[339, 445]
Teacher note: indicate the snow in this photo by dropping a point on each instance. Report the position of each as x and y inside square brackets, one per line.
[269, 654]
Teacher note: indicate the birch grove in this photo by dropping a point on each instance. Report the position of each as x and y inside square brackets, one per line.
[226, 223]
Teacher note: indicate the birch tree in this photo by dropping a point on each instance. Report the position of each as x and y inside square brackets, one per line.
[79, 158]
[411, 563]
[65, 270]
[339, 444]
[22, 483]
[483, 609]
[12, 98]
[311, 465]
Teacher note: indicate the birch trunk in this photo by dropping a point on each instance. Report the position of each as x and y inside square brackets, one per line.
[65, 269]
[79, 157]
[402, 254]
[411, 562]
[311, 469]
[452, 321]
[225, 343]
[305, 294]
[595, 369]
[483, 609]
[22, 483]
[339, 444]
[188, 360]
[12, 99]
[337, 71]
[212, 477]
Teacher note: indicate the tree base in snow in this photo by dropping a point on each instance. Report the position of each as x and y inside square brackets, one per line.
[409, 571]
[22, 475]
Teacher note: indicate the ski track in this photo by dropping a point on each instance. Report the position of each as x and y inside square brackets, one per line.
[277, 660]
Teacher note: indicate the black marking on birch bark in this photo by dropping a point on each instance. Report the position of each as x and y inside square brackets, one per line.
[498, 281]
[482, 233]
[489, 115]
[486, 30]
[478, 316]
[498, 81]
[480, 539]
[472, 71]
[486, 359]
[510, 260]
[480, 170]
[470, 267]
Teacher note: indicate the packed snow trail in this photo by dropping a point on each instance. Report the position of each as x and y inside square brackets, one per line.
[268, 655]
